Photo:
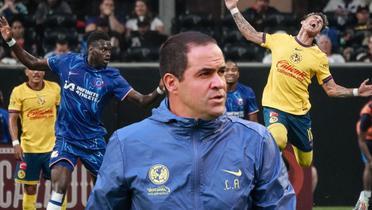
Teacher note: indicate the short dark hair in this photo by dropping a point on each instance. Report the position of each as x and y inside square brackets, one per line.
[97, 35]
[173, 53]
[322, 15]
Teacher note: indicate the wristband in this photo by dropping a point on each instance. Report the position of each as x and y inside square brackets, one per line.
[15, 142]
[11, 43]
[159, 91]
[234, 10]
[355, 92]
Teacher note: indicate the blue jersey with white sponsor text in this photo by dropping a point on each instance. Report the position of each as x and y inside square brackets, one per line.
[84, 91]
[241, 102]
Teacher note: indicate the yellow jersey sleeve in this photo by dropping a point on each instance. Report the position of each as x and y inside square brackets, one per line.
[270, 41]
[57, 89]
[15, 101]
[322, 73]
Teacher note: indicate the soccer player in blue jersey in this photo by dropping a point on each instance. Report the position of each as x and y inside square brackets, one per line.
[86, 83]
[241, 100]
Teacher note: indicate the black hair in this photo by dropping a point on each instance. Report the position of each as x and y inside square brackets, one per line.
[173, 53]
[320, 14]
[96, 36]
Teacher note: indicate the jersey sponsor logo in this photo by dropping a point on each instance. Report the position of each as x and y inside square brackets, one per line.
[82, 92]
[158, 175]
[284, 67]
[40, 114]
[235, 173]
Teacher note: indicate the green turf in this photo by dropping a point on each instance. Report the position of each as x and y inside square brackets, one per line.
[334, 208]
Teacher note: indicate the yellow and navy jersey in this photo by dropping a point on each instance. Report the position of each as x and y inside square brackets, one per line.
[293, 66]
[37, 110]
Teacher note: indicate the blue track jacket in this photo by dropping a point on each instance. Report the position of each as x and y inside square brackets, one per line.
[169, 162]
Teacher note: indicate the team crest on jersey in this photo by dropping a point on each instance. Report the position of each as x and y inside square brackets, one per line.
[240, 102]
[98, 82]
[21, 174]
[158, 175]
[295, 58]
[40, 100]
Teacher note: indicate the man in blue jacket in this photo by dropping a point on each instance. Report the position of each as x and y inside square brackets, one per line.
[188, 154]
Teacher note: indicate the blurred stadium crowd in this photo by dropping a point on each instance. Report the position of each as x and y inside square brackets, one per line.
[47, 27]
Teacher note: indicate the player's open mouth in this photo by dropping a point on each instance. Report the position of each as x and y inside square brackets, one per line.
[313, 25]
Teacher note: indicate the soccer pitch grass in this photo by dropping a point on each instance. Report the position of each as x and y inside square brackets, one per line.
[334, 208]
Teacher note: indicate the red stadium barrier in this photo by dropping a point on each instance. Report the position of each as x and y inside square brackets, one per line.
[11, 192]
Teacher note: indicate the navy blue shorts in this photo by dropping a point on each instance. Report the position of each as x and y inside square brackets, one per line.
[28, 171]
[298, 127]
[369, 146]
[90, 152]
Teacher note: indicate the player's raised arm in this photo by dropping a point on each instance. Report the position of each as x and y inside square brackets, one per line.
[244, 26]
[27, 59]
[334, 90]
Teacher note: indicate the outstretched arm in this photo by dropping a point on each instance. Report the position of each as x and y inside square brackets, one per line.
[145, 100]
[334, 90]
[27, 59]
[244, 26]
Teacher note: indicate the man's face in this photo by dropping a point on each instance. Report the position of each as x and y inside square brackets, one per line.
[17, 29]
[262, 4]
[35, 76]
[313, 25]
[362, 16]
[325, 44]
[231, 73]
[61, 48]
[201, 93]
[140, 8]
[100, 52]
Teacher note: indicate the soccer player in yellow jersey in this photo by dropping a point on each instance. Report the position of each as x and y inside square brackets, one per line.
[34, 102]
[296, 59]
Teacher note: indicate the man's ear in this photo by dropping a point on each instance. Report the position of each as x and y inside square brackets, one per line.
[171, 83]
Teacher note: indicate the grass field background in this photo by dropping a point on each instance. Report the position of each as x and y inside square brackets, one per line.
[334, 208]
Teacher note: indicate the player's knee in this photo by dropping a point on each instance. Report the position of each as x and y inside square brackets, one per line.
[279, 133]
[30, 189]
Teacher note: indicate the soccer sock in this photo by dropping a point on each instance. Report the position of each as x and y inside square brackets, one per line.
[29, 201]
[366, 193]
[55, 201]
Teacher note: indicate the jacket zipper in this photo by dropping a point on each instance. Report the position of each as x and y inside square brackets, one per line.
[196, 145]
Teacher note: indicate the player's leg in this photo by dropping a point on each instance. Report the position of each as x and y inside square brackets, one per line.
[45, 158]
[275, 122]
[29, 197]
[365, 195]
[27, 173]
[62, 162]
[301, 138]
